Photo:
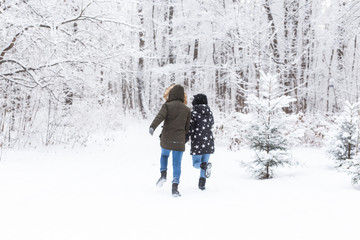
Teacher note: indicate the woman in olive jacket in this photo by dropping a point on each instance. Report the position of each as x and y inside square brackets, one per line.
[176, 117]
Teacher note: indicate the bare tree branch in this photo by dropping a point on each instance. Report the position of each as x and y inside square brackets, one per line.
[80, 17]
[13, 41]
[24, 69]
[18, 82]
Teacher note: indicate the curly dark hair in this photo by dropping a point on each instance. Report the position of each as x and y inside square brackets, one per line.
[199, 99]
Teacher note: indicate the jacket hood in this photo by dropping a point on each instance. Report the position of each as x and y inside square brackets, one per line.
[176, 93]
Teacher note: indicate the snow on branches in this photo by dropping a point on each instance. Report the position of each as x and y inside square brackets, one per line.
[344, 144]
[268, 131]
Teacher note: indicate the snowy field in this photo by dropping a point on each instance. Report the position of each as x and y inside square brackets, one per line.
[107, 191]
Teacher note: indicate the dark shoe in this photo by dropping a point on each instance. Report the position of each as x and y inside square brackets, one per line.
[207, 168]
[162, 179]
[174, 190]
[203, 165]
[202, 182]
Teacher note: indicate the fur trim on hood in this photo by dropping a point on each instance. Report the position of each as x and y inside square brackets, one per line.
[167, 92]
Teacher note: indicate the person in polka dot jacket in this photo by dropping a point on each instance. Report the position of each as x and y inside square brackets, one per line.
[202, 140]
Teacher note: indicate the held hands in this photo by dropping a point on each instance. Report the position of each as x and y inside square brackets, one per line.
[151, 131]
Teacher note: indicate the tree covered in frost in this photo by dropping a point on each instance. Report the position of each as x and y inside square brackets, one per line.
[356, 173]
[60, 60]
[268, 131]
[352, 167]
[344, 144]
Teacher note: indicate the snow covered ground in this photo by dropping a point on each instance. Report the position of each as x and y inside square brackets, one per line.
[107, 191]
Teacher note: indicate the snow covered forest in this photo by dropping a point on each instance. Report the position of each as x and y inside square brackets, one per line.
[69, 67]
[81, 81]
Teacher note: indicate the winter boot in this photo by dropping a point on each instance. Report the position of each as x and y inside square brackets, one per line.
[162, 179]
[202, 182]
[207, 168]
[174, 190]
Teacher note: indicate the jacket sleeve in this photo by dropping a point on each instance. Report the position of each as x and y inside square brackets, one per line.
[212, 119]
[187, 127]
[161, 116]
[191, 131]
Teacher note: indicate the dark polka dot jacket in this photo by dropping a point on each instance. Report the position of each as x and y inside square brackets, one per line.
[201, 122]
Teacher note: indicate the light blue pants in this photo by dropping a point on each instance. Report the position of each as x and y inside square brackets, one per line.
[198, 159]
[176, 157]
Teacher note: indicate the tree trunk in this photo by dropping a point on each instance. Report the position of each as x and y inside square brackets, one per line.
[140, 70]
[172, 58]
[267, 167]
[353, 74]
[291, 22]
[306, 57]
[349, 151]
[284, 78]
[341, 79]
[294, 44]
[328, 83]
[275, 55]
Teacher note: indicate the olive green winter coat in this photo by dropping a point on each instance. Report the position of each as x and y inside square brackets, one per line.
[176, 117]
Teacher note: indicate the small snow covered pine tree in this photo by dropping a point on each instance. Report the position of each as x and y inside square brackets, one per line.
[344, 143]
[353, 168]
[268, 132]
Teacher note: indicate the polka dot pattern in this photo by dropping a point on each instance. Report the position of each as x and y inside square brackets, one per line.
[201, 122]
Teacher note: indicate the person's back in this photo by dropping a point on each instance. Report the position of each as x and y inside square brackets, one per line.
[176, 117]
[202, 140]
[177, 121]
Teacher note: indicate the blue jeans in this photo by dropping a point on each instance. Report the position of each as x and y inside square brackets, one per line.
[198, 159]
[176, 157]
